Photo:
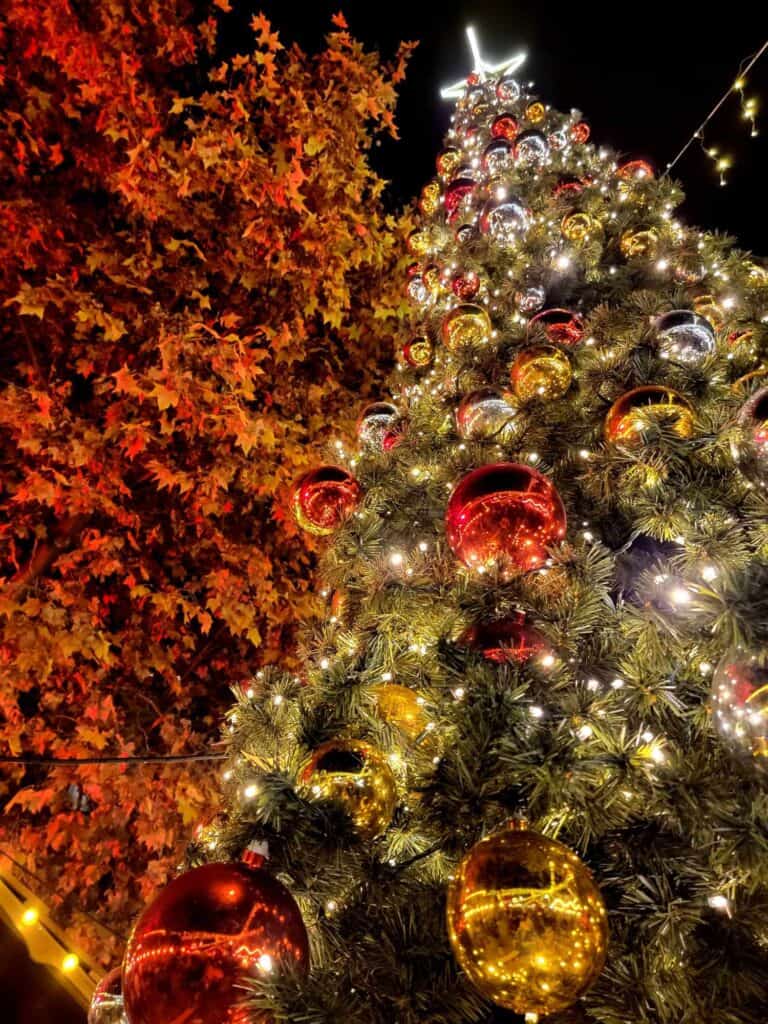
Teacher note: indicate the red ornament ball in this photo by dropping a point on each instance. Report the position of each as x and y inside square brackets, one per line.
[506, 640]
[580, 132]
[568, 185]
[504, 516]
[505, 127]
[107, 1000]
[323, 498]
[418, 352]
[560, 326]
[456, 194]
[206, 932]
[635, 170]
[466, 286]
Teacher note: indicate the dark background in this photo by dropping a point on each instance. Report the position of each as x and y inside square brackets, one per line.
[644, 75]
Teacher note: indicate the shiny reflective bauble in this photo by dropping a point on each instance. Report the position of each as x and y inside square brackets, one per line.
[429, 201]
[635, 170]
[636, 242]
[576, 227]
[560, 325]
[507, 89]
[194, 947]
[433, 279]
[447, 162]
[568, 185]
[504, 220]
[466, 324]
[497, 157]
[530, 299]
[558, 140]
[580, 132]
[106, 1005]
[685, 337]
[324, 498]
[402, 707]
[486, 414]
[541, 372]
[535, 112]
[465, 233]
[465, 286]
[357, 776]
[526, 922]
[375, 422]
[531, 148]
[417, 290]
[629, 416]
[751, 450]
[505, 640]
[740, 700]
[457, 194]
[504, 516]
[418, 352]
[417, 242]
[504, 127]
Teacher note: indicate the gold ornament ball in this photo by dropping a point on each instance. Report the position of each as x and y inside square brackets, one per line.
[638, 242]
[542, 372]
[448, 162]
[402, 707]
[417, 242]
[429, 201]
[577, 227]
[535, 113]
[629, 415]
[356, 775]
[466, 324]
[526, 922]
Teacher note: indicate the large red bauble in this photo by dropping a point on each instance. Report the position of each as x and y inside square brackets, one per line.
[212, 927]
[323, 498]
[505, 640]
[559, 325]
[459, 190]
[504, 516]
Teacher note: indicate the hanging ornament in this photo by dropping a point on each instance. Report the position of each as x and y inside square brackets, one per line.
[580, 132]
[417, 242]
[375, 422]
[456, 197]
[357, 776]
[535, 112]
[192, 950]
[106, 1005]
[635, 170]
[635, 242]
[429, 201]
[577, 227]
[750, 449]
[486, 414]
[447, 162]
[685, 337]
[531, 148]
[393, 438]
[568, 185]
[466, 325]
[504, 127]
[466, 285]
[324, 498]
[504, 220]
[465, 233]
[507, 89]
[708, 307]
[418, 352]
[504, 516]
[505, 640]
[530, 299]
[740, 700]
[526, 921]
[402, 707]
[629, 416]
[417, 290]
[497, 157]
[560, 326]
[542, 372]
[558, 140]
[432, 280]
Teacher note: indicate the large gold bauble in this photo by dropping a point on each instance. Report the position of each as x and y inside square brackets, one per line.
[639, 242]
[542, 372]
[526, 922]
[402, 707]
[629, 415]
[577, 227]
[429, 201]
[356, 775]
[466, 324]
[535, 112]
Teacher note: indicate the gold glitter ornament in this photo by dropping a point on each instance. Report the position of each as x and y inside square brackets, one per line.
[466, 324]
[576, 227]
[542, 372]
[429, 202]
[636, 242]
[535, 112]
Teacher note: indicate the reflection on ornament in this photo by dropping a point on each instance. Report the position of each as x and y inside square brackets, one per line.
[505, 640]
[576, 227]
[542, 372]
[560, 325]
[568, 185]
[375, 421]
[106, 1005]
[457, 194]
[465, 233]
[193, 948]
[429, 201]
[557, 140]
[356, 775]
[631, 415]
[530, 299]
[393, 438]
[635, 170]
[685, 337]
[531, 148]
[417, 290]
[708, 307]
[497, 157]
[465, 286]
[402, 707]
[466, 325]
[504, 127]
[580, 132]
[636, 242]
[418, 351]
[526, 922]
[447, 162]
[432, 281]
[486, 414]
[417, 242]
[507, 89]
[324, 498]
[750, 449]
[504, 220]
[535, 112]
[740, 700]
[504, 516]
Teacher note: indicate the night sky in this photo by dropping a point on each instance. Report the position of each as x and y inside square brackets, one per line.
[643, 74]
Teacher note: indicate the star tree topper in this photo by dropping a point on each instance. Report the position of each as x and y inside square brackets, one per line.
[481, 67]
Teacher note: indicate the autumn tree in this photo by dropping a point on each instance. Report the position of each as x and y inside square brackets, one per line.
[196, 278]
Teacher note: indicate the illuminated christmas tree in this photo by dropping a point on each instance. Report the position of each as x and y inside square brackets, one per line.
[521, 773]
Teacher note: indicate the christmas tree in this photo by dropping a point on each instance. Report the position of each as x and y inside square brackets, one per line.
[521, 774]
